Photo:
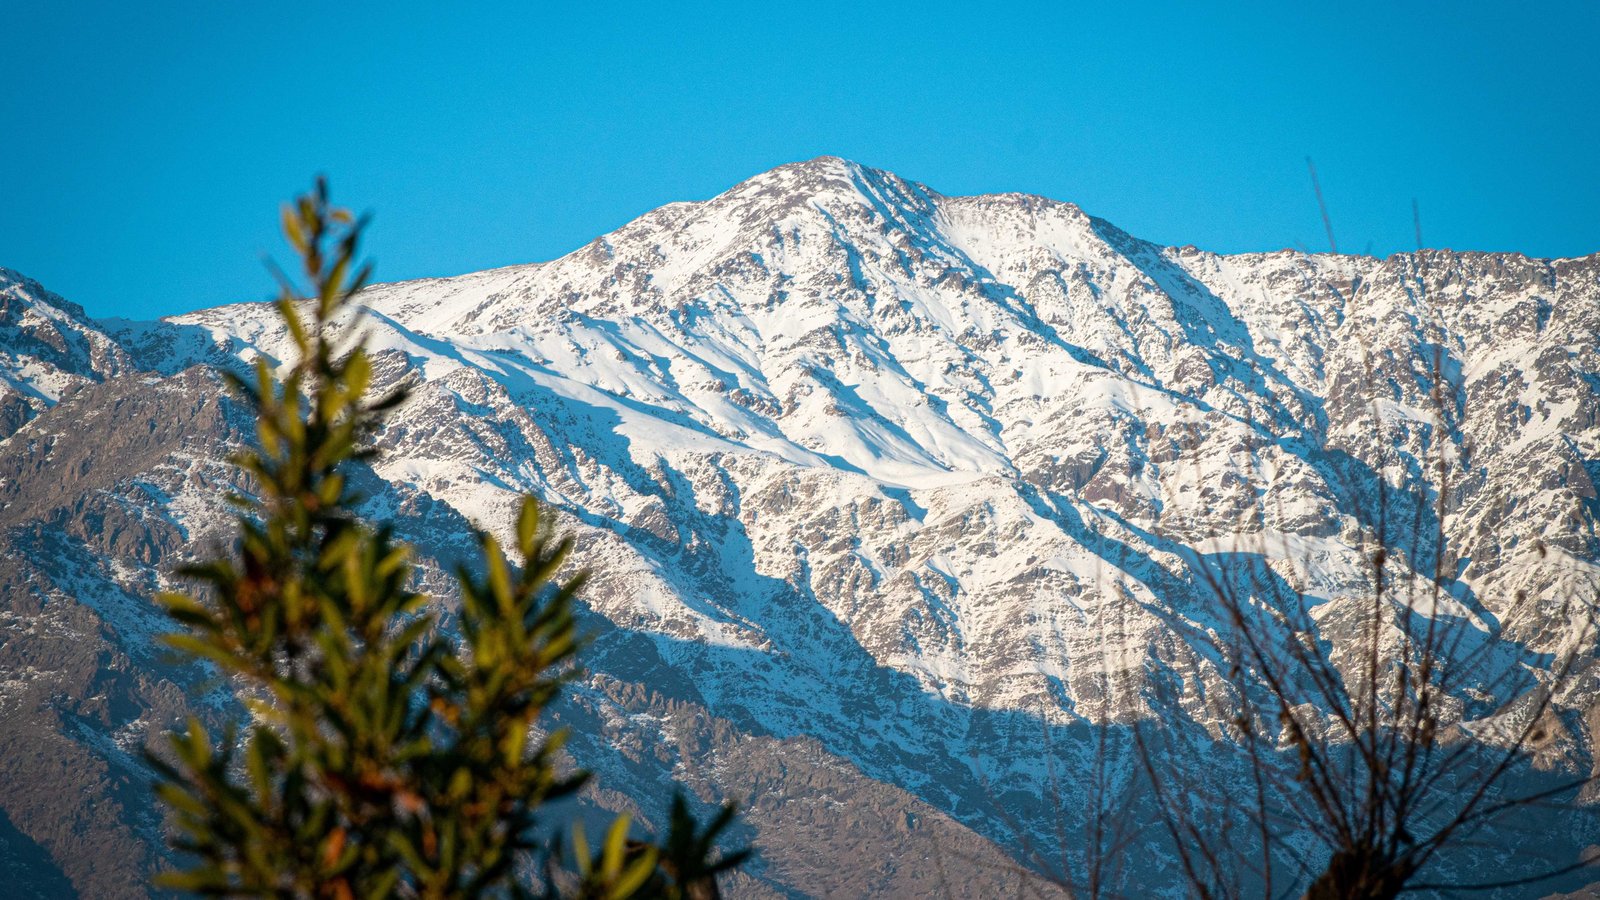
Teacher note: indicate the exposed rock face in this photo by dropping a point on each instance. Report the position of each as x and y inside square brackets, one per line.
[887, 494]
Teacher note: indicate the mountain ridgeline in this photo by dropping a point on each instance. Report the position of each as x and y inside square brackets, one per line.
[893, 501]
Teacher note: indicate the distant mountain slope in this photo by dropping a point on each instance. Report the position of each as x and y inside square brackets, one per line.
[886, 492]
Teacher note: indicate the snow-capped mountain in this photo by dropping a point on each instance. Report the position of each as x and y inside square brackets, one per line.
[887, 495]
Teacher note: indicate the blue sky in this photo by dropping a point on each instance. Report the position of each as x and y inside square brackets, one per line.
[146, 147]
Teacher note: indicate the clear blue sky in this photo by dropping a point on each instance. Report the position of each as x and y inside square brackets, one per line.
[146, 146]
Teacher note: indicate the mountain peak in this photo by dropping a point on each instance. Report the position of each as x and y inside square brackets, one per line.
[808, 179]
[816, 169]
[836, 185]
[18, 291]
[814, 221]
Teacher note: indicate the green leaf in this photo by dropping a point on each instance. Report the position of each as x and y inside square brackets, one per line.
[292, 229]
[527, 525]
[615, 847]
[638, 872]
[580, 849]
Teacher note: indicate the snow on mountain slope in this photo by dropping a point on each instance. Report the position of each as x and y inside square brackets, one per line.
[839, 326]
[929, 480]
